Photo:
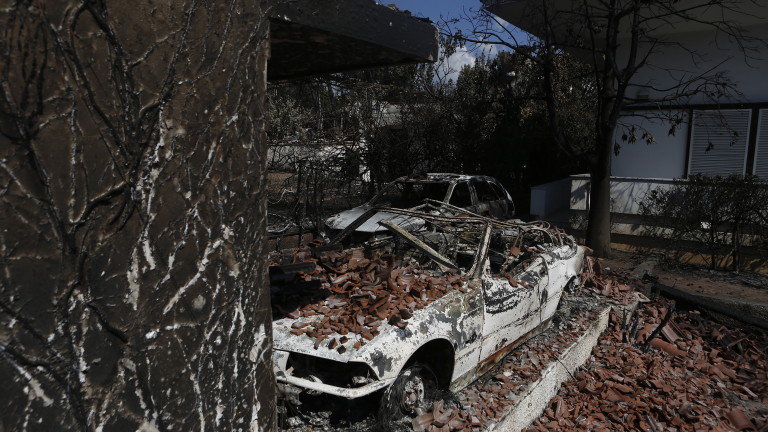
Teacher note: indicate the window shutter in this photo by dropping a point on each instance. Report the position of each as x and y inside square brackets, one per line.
[761, 152]
[719, 142]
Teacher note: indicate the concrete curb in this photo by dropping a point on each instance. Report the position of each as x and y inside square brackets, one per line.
[531, 404]
[753, 313]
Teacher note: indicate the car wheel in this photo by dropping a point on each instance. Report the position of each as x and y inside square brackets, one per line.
[410, 395]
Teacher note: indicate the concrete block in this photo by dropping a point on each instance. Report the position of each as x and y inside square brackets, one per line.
[532, 403]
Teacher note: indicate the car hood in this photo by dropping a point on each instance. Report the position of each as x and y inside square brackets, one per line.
[284, 340]
[447, 317]
[380, 353]
[341, 220]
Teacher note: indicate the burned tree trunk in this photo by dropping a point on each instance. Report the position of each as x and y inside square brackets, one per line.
[132, 165]
[598, 235]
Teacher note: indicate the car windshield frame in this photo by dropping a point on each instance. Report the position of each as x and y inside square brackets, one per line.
[438, 212]
[448, 183]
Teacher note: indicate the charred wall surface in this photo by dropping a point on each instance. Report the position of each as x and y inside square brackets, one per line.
[132, 162]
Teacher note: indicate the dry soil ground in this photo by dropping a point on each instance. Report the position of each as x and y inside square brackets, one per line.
[746, 286]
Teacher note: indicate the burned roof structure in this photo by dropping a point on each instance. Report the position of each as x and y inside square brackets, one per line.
[312, 38]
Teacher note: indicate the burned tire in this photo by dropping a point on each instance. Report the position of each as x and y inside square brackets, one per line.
[571, 286]
[411, 394]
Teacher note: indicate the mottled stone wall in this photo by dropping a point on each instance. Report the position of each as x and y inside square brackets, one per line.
[131, 216]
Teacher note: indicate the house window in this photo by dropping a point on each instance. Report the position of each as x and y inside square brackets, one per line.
[761, 151]
[719, 142]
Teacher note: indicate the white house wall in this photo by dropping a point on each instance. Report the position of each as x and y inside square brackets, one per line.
[664, 158]
[626, 192]
[688, 52]
[717, 53]
[668, 157]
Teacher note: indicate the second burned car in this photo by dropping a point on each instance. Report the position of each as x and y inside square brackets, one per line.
[413, 311]
[479, 194]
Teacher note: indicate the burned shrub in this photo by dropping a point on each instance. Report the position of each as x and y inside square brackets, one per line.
[716, 217]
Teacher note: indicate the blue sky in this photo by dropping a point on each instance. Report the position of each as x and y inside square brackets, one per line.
[439, 10]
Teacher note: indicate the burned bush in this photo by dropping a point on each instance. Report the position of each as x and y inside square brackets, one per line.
[716, 217]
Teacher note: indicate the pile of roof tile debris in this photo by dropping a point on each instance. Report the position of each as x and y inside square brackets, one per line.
[355, 295]
[664, 371]
[692, 375]
[615, 289]
[488, 399]
[659, 370]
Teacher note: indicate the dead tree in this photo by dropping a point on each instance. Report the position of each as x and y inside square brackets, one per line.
[618, 39]
[132, 166]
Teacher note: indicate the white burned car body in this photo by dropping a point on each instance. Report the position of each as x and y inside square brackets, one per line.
[456, 295]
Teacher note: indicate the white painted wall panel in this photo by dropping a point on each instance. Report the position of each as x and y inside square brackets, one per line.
[712, 54]
[626, 193]
[550, 198]
[665, 158]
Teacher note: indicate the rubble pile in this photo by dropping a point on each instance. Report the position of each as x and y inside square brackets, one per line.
[693, 375]
[657, 369]
[616, 289]
[487, 399]
[353, 296]
[690, 374]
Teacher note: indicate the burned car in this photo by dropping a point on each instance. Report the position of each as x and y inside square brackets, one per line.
[477, 193]
[415, 311]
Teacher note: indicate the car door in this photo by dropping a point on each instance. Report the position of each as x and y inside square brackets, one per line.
[512, 309]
